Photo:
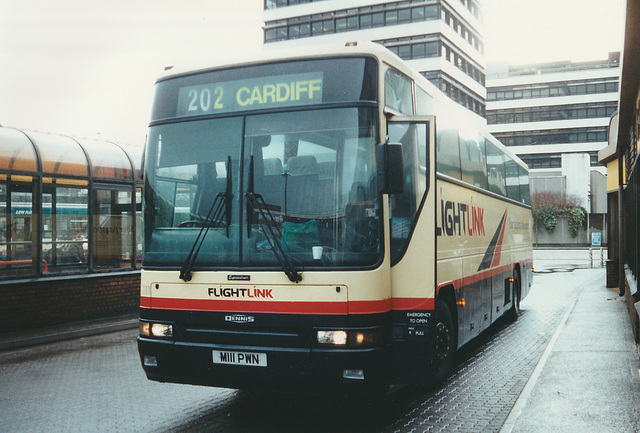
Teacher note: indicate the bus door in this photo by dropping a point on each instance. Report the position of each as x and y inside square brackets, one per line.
[412, 245]
[412, 212]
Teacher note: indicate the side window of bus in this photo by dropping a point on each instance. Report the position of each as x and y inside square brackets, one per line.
[473, 158]
[397, 92]
[495, 169]
[513, 179]
[404, 207]
[524, 186]
[448, 152]
[424, 102]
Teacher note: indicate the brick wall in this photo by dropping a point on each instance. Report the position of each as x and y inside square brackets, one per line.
[52, 301]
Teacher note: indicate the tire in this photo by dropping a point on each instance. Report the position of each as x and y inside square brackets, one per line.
[444, 343]
[514, 311]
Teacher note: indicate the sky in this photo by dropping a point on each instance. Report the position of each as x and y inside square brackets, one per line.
[522, 32]
[86, 68]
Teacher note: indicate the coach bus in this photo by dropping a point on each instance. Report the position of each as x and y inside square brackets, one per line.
[323, 221]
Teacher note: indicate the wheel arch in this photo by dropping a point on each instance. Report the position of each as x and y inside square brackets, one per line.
[518, 272]
[447, 293]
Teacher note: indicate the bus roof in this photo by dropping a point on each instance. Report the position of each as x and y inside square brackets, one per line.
[278, 54]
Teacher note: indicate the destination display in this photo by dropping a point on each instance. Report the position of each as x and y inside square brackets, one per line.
[250, 94]
[268, 86]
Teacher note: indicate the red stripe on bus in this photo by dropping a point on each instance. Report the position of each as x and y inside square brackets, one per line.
[484, 275]
[413, 303]
[369, 307]
[294, 307]
[330, 308]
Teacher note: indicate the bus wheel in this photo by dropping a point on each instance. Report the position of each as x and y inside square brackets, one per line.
[514, 311]
[444, 342]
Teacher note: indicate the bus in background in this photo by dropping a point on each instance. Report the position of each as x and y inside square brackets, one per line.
[323, 221]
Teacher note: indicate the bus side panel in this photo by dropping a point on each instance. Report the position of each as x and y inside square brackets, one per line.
[500, 300]
[477, 295]
[482, 240]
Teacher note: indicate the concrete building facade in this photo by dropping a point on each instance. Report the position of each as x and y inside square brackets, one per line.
[546, 110]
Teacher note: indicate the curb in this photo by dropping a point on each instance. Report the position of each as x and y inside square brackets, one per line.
[67, 332]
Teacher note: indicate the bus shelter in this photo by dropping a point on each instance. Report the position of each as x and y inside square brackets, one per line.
[67, 206]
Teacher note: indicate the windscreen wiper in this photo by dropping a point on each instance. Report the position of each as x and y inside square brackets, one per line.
[273, 234]
[255, 203]
[221, 203]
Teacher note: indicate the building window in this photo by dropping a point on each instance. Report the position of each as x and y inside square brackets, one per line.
[544, 90]
[457, 91]
[378, 19]
[365, 21]
[544, 160]
[391, 18]
[551, 113]
[553, 136]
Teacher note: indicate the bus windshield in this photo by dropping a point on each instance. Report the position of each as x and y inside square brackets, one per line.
[312, 171]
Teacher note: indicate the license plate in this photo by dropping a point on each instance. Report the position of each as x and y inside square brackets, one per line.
[251, 359]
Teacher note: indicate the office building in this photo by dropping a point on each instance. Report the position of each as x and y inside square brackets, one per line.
[546, 110]
[440, 38]
[555, 117]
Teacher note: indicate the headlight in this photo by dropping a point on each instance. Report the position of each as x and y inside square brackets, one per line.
[361, 339]
[161, 330]
[145, 329]
[338, 338]
[364, 338]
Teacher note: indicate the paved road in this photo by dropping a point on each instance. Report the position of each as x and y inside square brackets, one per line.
[97, 384]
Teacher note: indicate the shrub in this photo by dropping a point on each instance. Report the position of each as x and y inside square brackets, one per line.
[577, 217]
[546, 216]
[548, 206]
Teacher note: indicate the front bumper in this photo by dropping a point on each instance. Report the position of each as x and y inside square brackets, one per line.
[300, 370]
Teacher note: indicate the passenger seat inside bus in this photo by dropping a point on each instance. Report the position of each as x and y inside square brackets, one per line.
[302, 186]
[326, 188]
[272, 167]
[207, 189]
[271, 185]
